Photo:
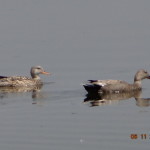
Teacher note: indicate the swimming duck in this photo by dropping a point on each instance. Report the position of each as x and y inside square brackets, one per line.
[21, 81]
[116, 86]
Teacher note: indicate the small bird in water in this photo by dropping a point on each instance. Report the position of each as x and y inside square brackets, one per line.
[116, 86]
[21, 81]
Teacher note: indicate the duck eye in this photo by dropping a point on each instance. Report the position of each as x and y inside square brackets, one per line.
[145, 71]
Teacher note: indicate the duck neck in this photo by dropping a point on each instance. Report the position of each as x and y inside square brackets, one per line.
[137, 84]
[35, 77]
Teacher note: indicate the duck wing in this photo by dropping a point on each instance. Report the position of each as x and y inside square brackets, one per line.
[15, 81]
[104, 82]
[105, 85]
[116, 86]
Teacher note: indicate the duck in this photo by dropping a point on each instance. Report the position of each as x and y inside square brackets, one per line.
[116, 86]
[22, 81]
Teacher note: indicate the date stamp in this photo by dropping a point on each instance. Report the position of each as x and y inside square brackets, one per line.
[142, 136]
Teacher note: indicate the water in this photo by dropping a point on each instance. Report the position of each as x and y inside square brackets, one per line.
[76, 41]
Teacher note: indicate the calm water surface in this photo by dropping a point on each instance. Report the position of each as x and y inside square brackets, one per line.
[76, 41]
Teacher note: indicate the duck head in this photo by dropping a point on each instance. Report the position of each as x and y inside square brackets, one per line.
[141, 74]
[36, 71]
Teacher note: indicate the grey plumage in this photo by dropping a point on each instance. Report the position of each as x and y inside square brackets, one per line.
[116, 86]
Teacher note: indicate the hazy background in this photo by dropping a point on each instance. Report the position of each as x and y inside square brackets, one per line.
[76, 41]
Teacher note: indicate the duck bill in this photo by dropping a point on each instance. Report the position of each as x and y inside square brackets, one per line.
[148, 77]
[46, 73]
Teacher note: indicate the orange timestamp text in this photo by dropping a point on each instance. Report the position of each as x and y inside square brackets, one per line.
[142, 136]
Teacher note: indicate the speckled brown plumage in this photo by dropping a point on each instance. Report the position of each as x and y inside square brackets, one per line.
[20, 81]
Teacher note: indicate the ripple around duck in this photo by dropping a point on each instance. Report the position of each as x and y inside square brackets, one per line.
[76, 41]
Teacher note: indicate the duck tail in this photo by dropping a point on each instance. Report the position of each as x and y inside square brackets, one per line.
[92, 88]
[2, 77]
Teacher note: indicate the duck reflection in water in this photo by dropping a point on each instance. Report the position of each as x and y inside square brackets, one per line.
[142, 102]
[97, 99]
[16, 85]
[36, 94]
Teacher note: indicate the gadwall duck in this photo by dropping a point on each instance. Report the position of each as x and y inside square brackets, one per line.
[21, 81]
[116, 86]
